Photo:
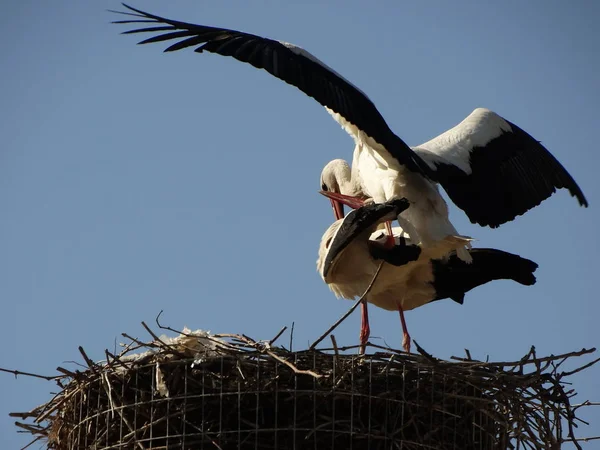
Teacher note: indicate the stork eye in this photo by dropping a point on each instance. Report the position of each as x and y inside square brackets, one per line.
[324, 187]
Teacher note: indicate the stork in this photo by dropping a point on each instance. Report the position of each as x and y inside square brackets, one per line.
[337, 185]
[490, 168]
[410, 276]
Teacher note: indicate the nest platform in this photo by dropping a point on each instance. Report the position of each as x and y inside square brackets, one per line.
[201, 391]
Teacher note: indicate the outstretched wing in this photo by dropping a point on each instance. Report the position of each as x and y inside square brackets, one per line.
[493, 170]
[292, 64]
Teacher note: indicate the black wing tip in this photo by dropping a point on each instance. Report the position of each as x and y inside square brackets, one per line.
[534, 265]
[528, 278]
[578, 194]
[138, 12]
[131, 8]
[458, 298]
[562, 178]
[505, 218]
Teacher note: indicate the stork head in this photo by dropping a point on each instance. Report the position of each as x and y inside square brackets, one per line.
[338, 185]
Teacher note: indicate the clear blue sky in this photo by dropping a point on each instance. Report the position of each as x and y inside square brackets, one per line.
[133, 181]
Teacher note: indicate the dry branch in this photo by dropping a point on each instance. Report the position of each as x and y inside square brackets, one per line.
[16, 373]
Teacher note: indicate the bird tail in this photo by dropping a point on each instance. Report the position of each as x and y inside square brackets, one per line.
[453, 278]
[451, 243]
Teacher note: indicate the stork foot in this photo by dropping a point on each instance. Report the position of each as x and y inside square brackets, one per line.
[365, 329]
[364, 339]
[406, 342]
[405, 335]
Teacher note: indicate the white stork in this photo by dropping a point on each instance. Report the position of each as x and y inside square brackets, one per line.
[337, 185]
[489, 167]
[351, 250]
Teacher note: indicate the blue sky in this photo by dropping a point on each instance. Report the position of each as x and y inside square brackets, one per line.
[133, 181]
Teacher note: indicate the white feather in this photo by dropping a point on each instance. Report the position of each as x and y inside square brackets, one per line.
[455, 145]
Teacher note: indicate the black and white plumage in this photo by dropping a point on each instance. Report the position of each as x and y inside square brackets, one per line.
[493, 170]
[411, 276]
[489, 167]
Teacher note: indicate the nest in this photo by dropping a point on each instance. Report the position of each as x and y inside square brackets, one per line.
[228, 391]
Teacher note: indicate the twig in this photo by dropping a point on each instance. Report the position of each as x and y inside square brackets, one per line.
[29, 427]
[336, 351]
[91, 364]
[115, 360]
[181, 332]
[108, 389]
[272, 341]
[292, 337]
[126, 348]
[140, 343]
[22, 415]
[522, 361]
[293, 367]
[263, 349]
[152, 333]
[566, 374]
[172, 349]
[215, 444]
[57, 402]
[586, 403]
[66, 372]
[586, 439]
[350, 311]
[164, 327]
[32, 442]
[16, 373]
[424, 353]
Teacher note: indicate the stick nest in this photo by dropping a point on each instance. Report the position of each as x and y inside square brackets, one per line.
[231, 392]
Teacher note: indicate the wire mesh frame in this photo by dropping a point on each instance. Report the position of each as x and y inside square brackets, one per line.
[251, 402]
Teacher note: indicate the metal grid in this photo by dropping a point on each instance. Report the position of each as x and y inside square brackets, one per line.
[252, 402]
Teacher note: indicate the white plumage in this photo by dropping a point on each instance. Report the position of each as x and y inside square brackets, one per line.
[489, 167]
[454, 146]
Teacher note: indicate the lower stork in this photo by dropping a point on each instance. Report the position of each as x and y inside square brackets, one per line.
[410, 276]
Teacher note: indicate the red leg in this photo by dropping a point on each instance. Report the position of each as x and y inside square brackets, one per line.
[390, 241]
[405, 335]
[365, 330]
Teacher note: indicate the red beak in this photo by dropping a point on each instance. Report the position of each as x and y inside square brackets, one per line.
[338, 200]
[338, 209]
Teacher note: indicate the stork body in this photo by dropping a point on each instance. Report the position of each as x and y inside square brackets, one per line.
[489, 167]
[338, 178]
[351, 251]
[382, 179]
